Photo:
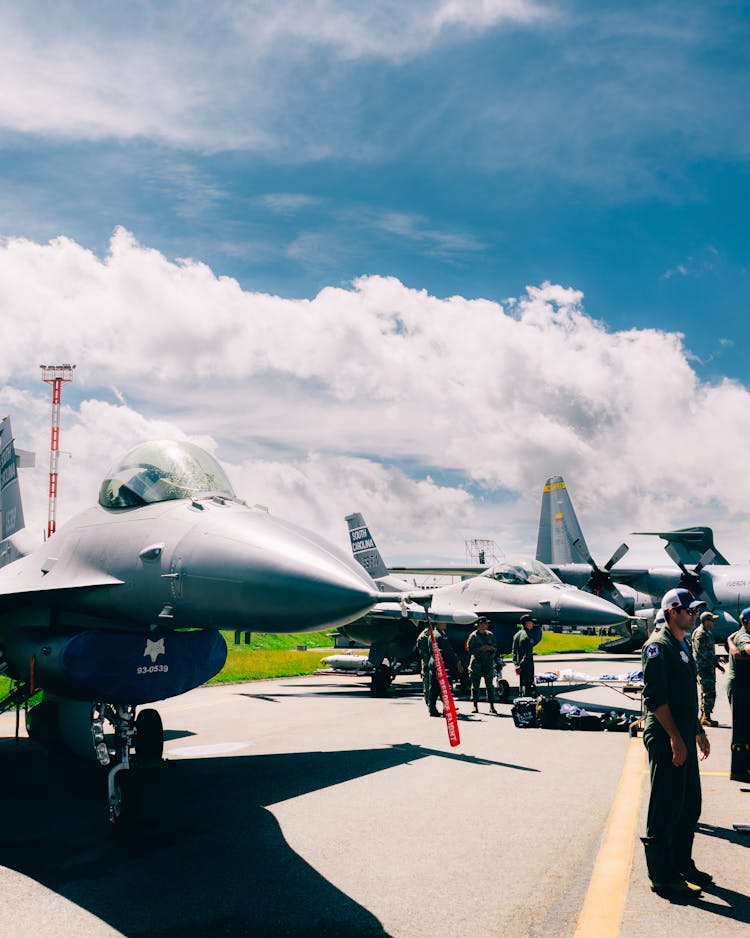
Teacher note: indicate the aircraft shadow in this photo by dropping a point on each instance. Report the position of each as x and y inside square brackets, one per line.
[204, 855]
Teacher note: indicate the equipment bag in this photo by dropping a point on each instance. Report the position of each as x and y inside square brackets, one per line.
[523, 711]
[547, 712]
[574, 718]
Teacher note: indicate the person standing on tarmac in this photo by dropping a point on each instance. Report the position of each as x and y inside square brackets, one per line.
[706, 662]
[738, 691]
[429, 673]
[424, 650]
[482, 648]
[673, 736]
[523, 656]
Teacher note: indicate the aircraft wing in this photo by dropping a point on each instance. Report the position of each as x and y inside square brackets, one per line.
[691, 543]
[394, 610]
[441, 571]
[18, 580]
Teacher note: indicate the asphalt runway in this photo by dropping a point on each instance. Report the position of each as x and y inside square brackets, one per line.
[304, 806]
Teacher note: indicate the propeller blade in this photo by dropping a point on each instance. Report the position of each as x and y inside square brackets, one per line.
[586, 557]
[674, 554]
[705, 559]
[618, 555]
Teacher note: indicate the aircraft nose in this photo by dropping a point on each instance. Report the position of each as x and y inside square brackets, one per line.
[268, 576]
[575, 607]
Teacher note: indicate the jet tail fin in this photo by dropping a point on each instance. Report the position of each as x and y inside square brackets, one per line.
[560, 539]
[11, 509]
[691, 544]
[364, 548]
[12, 544]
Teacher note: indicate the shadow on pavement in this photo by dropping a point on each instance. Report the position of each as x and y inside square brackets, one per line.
[203, 856]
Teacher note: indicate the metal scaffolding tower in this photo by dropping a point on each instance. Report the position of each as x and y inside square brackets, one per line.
[482, 553]
[57, 376]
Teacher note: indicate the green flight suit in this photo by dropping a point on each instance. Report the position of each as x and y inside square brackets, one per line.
[738, 691]
[424, 650]
[669, 677]
[704, 651]
[429, 674]
[481, 663]
[523, 658]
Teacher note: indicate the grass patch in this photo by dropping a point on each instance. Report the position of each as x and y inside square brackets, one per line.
[555, 643]
[251, 664]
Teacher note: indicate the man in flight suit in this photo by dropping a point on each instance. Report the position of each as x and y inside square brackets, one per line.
[738, 691]
[429, 673]
[706, 661]
[672, 736]
[482, 648]
[523, 656]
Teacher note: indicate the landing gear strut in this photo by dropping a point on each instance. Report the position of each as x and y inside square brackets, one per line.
[143, 735]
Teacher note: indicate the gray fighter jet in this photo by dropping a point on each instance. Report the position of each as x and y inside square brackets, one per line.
[123, 606]
[502, 593]
[697, 566]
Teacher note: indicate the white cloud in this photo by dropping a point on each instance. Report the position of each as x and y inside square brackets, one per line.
[358, 398]
[217, 78]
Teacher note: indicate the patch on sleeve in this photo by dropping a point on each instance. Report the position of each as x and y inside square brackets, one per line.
[652, 651]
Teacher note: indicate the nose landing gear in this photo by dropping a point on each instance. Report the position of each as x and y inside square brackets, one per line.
[143, 735]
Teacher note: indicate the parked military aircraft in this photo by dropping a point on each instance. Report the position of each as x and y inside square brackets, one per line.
[502, 593]
[123, 606]
[697, 566]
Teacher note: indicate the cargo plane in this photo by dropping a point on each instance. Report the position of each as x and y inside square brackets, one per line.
[696, 565]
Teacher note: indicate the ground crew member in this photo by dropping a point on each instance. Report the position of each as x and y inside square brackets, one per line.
[482, 648]
[523, 656]
[704, 652]
[738, 691]
[429, 674]
[424, 651]
[672, 736]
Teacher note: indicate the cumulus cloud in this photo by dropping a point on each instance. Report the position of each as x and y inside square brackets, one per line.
[438, 417]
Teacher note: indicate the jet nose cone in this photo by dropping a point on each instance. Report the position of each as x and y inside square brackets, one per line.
[324, 589]
[578, 608]
[259, 573]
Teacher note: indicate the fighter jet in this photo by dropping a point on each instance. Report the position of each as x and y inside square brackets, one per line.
[697, 566]
[123, 606]
[501, 593]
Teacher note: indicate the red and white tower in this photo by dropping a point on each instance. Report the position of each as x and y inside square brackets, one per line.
[57, 376]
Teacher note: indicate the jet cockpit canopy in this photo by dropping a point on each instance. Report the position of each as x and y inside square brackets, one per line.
[160, 471]
[521, 572]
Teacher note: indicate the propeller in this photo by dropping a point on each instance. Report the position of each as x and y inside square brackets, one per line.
[690, 579]
[601, 579]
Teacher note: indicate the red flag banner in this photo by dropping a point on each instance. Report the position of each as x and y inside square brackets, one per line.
[449, 707]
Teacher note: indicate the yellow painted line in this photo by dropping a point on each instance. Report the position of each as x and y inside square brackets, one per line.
[603, 906]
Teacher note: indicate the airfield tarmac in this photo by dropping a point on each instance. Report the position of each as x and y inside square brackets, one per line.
[303, 806]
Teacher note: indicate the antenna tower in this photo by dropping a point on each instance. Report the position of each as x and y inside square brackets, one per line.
[57, 376]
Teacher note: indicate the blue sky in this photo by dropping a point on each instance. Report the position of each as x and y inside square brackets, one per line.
[465, 148]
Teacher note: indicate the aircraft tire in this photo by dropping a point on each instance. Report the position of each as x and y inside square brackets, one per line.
[149, 735]
[381, 680]
[502, 690]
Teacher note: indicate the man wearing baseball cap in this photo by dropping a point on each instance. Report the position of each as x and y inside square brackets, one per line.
[738, 691]
[482, 648]
[673, 735]
[523, 656]
[706, 662]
